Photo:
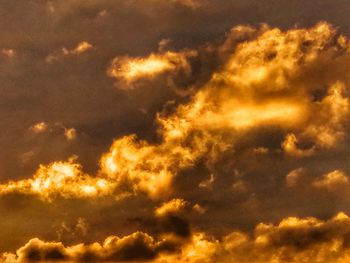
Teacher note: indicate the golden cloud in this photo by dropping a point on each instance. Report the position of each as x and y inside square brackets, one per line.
[173, 206]
[294, 240]
[137, 246]
[271, 80]
[43, 127]
[80, 48]
[332, 180]
[39, 127]
[70, 133]
[293, 177]
[129, 70]
[59, 178]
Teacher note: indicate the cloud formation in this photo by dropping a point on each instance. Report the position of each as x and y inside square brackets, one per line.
[292, 240]
[128, 71]
[267, 81]
[64, 179]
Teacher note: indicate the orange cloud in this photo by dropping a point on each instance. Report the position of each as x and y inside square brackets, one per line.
[173, 206]
[130, 70]
[80, 48]
[39, 127]
[59, 179]
[10, 53]
[270, 80]
[294, 240]
[332, 180]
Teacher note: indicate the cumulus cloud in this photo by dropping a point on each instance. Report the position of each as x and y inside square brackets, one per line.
[269, 81]
[292, 240]
[59, 179]
[332, 181]
[135, 247]
[203, 135]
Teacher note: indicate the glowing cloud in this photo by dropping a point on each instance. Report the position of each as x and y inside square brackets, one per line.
[130, 70]
[264, 82]
[332, 180]
[294, 240]
[80, 48]
[59, 178]
[172, 207]
[10, 53]
[70, 133]
[39, 127]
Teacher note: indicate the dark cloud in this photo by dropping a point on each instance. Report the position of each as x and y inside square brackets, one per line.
[136, 247]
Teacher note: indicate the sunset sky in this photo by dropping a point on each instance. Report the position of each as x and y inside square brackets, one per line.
[161, 131]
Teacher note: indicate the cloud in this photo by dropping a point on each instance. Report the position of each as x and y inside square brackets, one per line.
[271, 80]
[294, 176]
[290, 147]
[294, 240]
[207, 183]
[138, 246]
[128, 71]
[43, 127]
[80, 48]
[8, 52]
[173, 206]
[332, 181]
[39, 127]
[189, 3]
[79, 228]
[70, 133]
[64, 179]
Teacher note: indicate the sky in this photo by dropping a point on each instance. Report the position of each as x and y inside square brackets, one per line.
[169, 131]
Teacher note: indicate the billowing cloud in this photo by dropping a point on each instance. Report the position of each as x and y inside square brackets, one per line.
[59, 179]
[137, 246]
[182, 130]
[270, 81]
[292, 240]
